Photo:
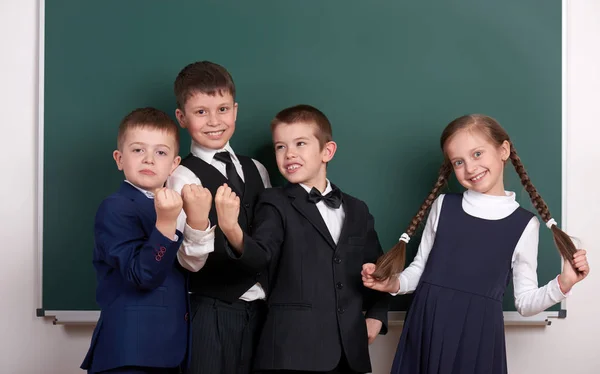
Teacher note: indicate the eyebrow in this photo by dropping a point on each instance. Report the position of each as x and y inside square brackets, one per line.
[218, 105]
[144, 144]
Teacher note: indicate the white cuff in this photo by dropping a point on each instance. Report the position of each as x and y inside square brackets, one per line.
[399, 286]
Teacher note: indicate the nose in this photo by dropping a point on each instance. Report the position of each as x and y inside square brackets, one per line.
[289, 154]
[148, 158]
[213, 120]
[470, 166]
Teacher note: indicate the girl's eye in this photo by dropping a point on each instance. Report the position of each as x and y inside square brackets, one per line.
[279, 147]
[477, 154]
[457, 163]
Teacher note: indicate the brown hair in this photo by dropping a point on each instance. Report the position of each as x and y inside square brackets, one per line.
[393, 261]
[205, 77]
[148, 118]
[306, 114]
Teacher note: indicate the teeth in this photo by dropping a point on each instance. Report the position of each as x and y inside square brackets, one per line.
[478, 177]
[215, 133]
[293, 167]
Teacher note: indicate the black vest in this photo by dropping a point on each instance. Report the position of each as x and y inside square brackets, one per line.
[219, 278]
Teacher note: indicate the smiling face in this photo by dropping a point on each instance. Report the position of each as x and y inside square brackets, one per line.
[147, 157]
[477, 162]
[210, 119]
[300, 157]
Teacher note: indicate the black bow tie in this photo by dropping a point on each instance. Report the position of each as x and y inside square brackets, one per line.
[333, 199]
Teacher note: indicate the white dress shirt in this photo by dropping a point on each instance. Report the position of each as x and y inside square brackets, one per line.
[192, 255]
[334, 218]
[529, 299]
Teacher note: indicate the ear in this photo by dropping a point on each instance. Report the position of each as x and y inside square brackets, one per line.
[505, 150]
[328, 151]
[176, 162]
[117, 156]
[235, 108]
[180, 117]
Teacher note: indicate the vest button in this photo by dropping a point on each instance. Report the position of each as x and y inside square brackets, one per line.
[341, 310]
[247, 206]
[339, 285]
[337, 260]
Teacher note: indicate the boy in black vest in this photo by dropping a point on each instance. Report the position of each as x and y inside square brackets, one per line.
[314, 239]
[227, 305]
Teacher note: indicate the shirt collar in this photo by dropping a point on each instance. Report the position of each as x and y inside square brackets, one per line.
[148, 194]
[489, 206]
[207, 154]
[327, 188]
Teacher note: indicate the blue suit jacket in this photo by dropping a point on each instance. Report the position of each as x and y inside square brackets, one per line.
[141, 289]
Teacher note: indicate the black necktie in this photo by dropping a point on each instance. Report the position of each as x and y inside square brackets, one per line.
[233, 177]
[333, 199]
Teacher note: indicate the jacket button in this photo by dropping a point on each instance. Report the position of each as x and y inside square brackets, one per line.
[247, 206]
[339, 285]
[186, 317]
[337, 260]
[341, 310]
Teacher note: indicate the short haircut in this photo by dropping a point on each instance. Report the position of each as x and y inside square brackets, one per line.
[205, 77]
[148, 118]
[309, 115]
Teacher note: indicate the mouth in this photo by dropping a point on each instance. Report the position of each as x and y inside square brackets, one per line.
[478, 177]
[214, 134]
[147, 172]
[292, 168]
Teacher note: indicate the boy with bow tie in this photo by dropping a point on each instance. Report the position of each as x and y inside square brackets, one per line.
[313, 254]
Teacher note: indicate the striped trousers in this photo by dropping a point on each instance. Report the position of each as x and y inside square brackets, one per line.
[224, 335]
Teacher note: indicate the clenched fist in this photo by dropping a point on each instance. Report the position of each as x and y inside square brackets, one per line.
[196, 204]
[167, 204]
[227, 204]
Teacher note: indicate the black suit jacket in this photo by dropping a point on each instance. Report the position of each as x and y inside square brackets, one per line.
[316, 297]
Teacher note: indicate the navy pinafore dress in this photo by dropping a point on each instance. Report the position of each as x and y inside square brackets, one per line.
[455, 324]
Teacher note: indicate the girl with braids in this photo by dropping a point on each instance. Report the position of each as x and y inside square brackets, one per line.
[471, 245]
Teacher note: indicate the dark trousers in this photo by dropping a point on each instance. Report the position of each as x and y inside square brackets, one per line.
[342, 368]
[140, 370]
[224, 335]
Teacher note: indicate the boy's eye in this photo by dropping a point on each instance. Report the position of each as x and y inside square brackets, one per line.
[137, 150]
[223, 109]
[201, 111]
[300, 144]
[162, 153]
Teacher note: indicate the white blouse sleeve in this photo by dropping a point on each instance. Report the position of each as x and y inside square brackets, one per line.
[410, 277]
[529, 299]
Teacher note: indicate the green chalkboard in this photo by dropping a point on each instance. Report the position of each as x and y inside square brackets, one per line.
[389, 75]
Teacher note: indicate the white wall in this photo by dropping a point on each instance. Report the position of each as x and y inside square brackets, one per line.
[31, 345]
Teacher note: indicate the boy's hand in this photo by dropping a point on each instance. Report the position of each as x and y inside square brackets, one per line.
[196, 204]
[569, 276]
[227, 204]
[390, 285]
[168, 205]
[373, 328]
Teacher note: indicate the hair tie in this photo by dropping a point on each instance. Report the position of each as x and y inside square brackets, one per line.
[404, 238]
[551, 222]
